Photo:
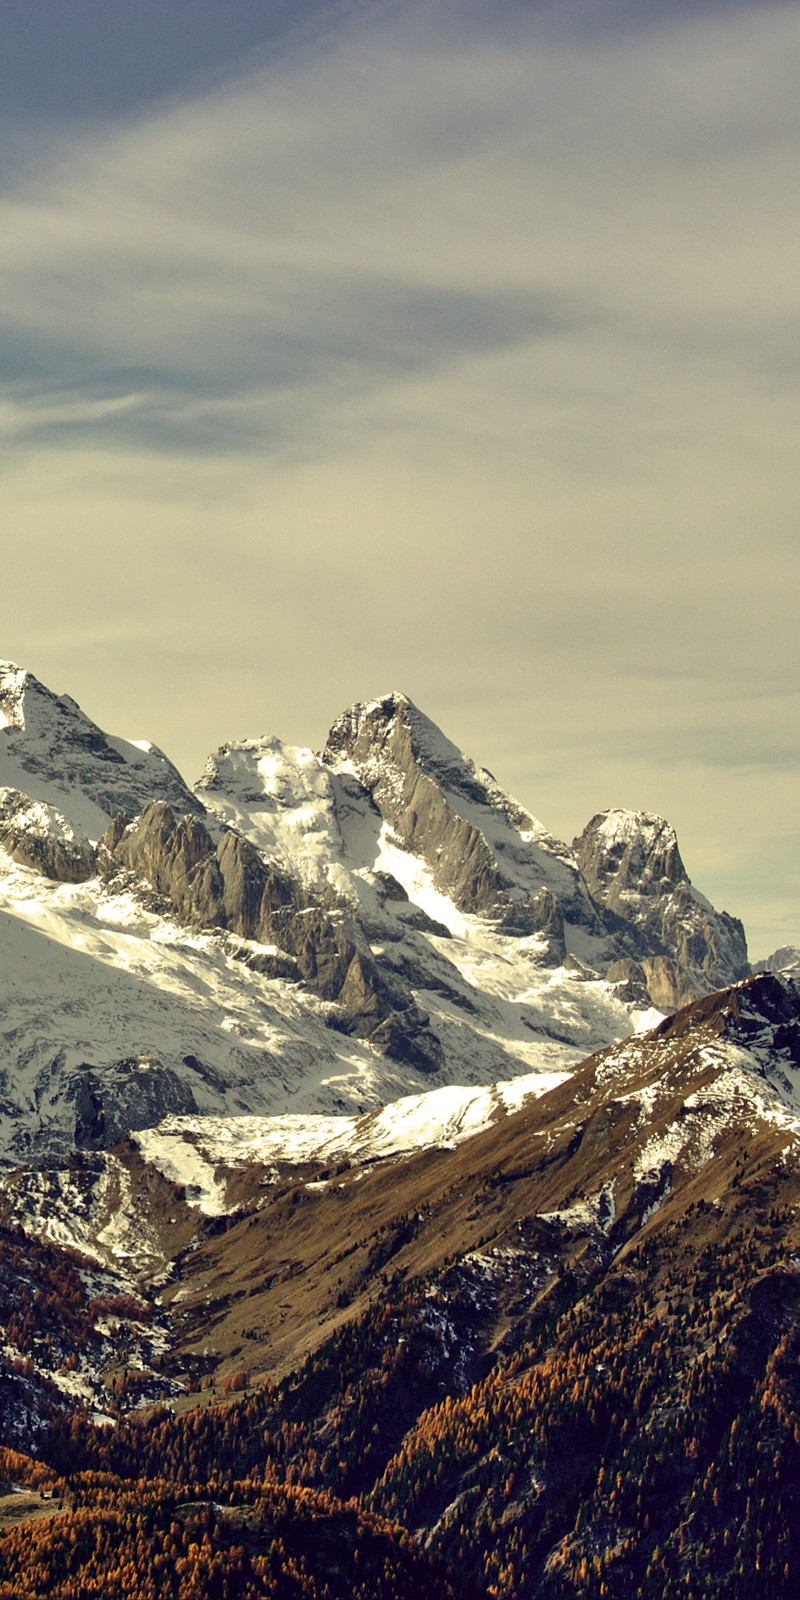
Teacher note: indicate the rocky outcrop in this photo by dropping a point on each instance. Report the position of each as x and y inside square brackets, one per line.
[487, 854]
[52, 752]
[131, 1094]
[38, 836]
[230, 885]
[632, 867]
[668, 984]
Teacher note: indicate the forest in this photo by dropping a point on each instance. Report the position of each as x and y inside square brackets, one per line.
[641, 1439]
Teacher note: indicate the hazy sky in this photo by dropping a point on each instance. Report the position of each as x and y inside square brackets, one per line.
[450, 347]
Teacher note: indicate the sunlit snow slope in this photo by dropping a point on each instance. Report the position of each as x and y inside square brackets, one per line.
[324, 933]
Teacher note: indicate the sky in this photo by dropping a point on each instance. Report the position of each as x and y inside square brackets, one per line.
[449, 347]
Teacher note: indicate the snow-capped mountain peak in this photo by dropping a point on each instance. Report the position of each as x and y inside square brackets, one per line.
[402, 923]
[482, 849]
[632, 866]
[52, 752]
[635, 849]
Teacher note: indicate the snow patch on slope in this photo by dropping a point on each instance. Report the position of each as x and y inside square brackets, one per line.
[91, 980]
[736, 1094]
[191, 1150]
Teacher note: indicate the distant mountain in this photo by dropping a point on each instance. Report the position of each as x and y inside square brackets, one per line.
[308, 932]
[785, 961]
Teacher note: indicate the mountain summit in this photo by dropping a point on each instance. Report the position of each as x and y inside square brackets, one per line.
[632, 866]
[309, 931]
[52, 753]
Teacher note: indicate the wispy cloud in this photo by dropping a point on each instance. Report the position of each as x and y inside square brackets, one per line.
[389, 207]
[455, 350]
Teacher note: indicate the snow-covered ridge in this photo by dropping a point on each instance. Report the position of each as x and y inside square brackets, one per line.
[196, 1152]
[51, 752]
[727, 1063]
[283, 799]
[736, 1092]
[457, 942]
[105, 1002]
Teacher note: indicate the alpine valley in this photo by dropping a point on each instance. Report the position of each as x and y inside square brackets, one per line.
[394, 1200]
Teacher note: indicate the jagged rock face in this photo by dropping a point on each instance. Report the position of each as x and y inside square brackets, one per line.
[632, 866]
[386, 743]
[230, 885]
[628, 856]
[38, 836]
[52, 752]
[786, 960]
[483, 850]
[130, 1095]
[667, 983]
[767, 1009]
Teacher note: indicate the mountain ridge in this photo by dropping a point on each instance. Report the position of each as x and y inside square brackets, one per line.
[561, 1354]
[402, 920]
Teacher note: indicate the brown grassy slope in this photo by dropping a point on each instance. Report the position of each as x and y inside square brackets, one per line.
[267, 1287]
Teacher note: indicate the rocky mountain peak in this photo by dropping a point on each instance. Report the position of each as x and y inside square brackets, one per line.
[390, 737]
[483, 850]
[629, 852]
[390, 730]
[632, 866]
[53, 753]
[785, 960]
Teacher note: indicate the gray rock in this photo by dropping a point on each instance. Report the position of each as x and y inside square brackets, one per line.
[630, 977]
[134, 1093]
[383, 742]
[38, 836]
[633, 869]
[231, 886]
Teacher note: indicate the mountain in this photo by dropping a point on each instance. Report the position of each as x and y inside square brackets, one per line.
[631, 864]
[785, 961]
[304, 932]
[76, 776]
[394, 1198]
[562, 1352]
